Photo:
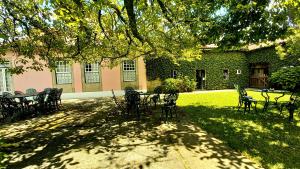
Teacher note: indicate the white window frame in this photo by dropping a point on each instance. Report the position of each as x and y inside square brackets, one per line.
[63, 68]
[94, 71]
[6, 77]
[129, 70]
[238, 71]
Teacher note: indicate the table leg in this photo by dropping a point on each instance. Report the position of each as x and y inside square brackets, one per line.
[267, 100]
[276, 98]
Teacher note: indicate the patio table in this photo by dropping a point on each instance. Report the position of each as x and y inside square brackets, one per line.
[22, 97]
[265, 94]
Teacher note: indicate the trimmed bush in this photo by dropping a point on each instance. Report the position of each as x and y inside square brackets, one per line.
[287, 78]
[182, 84]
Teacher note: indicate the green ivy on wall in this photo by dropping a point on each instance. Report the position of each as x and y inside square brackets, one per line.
[269, 56]
[215, 62]
[212, 62]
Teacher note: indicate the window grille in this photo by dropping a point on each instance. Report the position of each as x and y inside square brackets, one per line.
[129, 70]
[63, 73]
[91, 73]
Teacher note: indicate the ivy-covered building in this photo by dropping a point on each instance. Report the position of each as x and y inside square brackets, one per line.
[221, 70]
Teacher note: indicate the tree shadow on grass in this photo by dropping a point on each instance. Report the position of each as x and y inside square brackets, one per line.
[83, 135]
[267, 136]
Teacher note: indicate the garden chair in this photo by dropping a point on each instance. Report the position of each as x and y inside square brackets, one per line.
[50, 100]
[133, 101]
[58, 97]
[128, 90]
[169, 106]
[10, 107]
[39, 102]
[18, 92]
[292, 105]
[31, 91]
[244, 99]
[26, 101]
[120, 106]
[156, 97]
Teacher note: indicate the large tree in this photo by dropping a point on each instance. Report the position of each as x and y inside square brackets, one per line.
[92, 30]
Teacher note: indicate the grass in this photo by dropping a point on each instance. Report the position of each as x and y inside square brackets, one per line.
[265, 137]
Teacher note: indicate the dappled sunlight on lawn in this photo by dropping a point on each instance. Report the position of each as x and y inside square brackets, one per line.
[86, 134]
[265, 137]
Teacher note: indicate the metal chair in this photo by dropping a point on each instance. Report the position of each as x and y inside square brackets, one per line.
[18, 92]
[120, 105]
[156, 97]
[58, 97]
[133, 102]
[39, 102]
[169, 106]
[31, 91]
[244, 99]
[10, 107]
[292, 105]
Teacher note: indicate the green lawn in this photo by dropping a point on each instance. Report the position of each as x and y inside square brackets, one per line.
[267, 138]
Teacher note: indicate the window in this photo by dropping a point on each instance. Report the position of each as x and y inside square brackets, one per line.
[225, 74]
[5, 78]
[129, 73]
[91, 73]
[174, 73]
[63, 73]
[238, 71]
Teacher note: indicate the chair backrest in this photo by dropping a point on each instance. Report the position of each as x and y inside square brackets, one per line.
[40, 97]
[114, 96]
[171, 98]
[18, 92]
[5, 94]
[133, 97]
[295, 99]
[31, 91]
[241, 91]
[59, 93]
[119, 105]
[47, 90]
[158, 90]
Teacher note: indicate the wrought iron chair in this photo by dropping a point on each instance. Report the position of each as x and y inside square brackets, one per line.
[244, 99]
[169, 106]
[156, 97]
[58, 97]
[50, 100]
[39, 102]
[292, 105]
[10, 107]
[120, 105]
[31, 91]
[133, 102]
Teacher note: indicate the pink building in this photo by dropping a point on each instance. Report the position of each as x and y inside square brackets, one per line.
[76, 77]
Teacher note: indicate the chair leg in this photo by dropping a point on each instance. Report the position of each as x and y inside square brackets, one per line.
[255, 103]
[245, 107]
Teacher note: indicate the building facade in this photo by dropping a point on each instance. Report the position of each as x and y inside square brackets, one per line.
[221, 70]
[76, 77]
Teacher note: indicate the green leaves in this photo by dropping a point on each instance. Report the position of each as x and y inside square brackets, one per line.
[92, 30]
[288, 78]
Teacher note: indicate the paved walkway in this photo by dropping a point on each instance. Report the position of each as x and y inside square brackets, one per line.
[90, 95]
[84, 135]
